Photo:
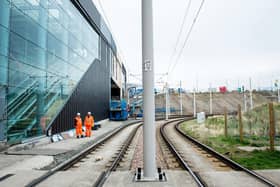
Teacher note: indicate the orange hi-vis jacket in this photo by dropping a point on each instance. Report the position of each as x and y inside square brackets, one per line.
[78, 122]
[89, 121]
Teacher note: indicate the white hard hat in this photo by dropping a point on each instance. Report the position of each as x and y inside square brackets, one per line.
[89, 113]
[78, 114]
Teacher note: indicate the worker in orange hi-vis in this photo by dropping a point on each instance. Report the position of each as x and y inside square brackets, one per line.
[89, 123]
[78, 125]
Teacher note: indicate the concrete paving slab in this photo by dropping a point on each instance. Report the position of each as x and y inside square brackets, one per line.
[47, 152]
[21, 178]
[230, 179]
[32, 163]
[82, 178]
[7, 160]
[174, 178]
[271, 174]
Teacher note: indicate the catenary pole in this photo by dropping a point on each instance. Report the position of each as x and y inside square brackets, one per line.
[278, 94]
[278, 90]
[181, 104]
[149, 139]
[211, 100]
[251, 95]
[245, 102]
[194, 103]
[166, 101]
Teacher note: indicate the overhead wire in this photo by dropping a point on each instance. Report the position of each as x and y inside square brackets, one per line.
[187, 37]
[179, 34]
[111, 30]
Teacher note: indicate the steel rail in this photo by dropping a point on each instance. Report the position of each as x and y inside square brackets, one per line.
[184, 164]
[223, 158]
[76, 158]
[105, 175]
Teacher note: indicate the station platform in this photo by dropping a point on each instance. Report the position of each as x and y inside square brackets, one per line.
[22, 163]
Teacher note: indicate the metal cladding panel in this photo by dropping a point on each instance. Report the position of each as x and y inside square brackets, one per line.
[113, 45]
[91, 10]
[91, 94]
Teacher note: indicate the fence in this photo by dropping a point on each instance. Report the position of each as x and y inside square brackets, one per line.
[260, 126]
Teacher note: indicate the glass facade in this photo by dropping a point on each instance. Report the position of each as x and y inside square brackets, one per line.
[45, 48]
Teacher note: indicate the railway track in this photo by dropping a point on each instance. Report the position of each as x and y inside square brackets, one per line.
[175, 151]
[164, 157]
[223, 158]
[206, 166]
[95, 156]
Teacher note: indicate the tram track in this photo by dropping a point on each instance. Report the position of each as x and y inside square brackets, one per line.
[180, 159]
[175, 151]
[200, 160]
[90, 154]
[223, 158]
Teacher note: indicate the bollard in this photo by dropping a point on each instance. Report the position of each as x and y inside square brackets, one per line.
[271, 126]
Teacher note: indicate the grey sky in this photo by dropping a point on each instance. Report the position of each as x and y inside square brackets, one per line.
[232, 40]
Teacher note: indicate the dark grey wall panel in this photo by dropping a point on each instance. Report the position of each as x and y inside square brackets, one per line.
[91, 94]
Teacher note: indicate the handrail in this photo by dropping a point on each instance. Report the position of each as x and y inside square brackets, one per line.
[22, 112]
[13, 105]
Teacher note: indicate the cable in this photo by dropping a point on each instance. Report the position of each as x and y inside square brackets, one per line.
[180, 33]
[188, 36]
[135, 77]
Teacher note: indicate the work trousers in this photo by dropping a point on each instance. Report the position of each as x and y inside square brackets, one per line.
[88, 130]
[79, 131]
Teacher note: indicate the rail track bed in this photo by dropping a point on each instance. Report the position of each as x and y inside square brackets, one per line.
[207, 167]
[186, 162]
[91, 167]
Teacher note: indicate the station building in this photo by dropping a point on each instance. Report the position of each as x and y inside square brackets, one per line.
[57, 58]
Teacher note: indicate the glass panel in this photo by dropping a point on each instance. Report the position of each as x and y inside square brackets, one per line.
[4, 13]
[4, 40]
[51, 46]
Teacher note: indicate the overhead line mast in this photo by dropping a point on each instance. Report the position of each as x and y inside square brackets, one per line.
[149, 133]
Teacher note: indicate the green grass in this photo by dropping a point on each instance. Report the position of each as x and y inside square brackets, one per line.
[225, 145]
[229, 147]
[259, 159]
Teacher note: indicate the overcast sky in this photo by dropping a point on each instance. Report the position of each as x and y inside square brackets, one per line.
[232, 40]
